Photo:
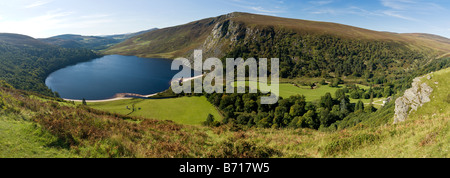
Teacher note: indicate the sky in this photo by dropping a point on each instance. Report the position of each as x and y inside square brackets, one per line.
[46, 18]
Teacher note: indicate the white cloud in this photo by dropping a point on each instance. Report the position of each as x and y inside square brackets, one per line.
[262, 10]
[267, 7]
[55, 20]
[398, 4]
[321, 3]
[344, 11]
[411, 5]
[35, 25]
[37, 4]
[95, 16]
[403, 9]
[326, 11]
[397, 15]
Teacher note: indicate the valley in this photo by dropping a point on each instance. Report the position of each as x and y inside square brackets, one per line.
[339, 86]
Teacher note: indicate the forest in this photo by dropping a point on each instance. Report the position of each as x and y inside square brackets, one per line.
[25, 66]
[328, 56]
[372, 63]
[331, 112]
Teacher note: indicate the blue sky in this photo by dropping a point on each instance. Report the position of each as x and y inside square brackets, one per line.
[45, 18]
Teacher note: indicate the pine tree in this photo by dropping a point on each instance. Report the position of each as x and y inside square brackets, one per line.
[359, 106]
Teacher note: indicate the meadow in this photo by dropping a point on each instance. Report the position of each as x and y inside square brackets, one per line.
[287, 89]
[184, 110]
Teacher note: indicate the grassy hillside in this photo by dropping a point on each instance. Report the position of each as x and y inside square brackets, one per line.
[21, 138]
[167, 42]
[440, 98]
[180, 40]
[35, 127]
[426, 132]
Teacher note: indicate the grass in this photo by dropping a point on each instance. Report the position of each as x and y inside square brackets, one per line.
[425, 133]
[440, 97]
[185, 110]
[24, 139]
[287, 90]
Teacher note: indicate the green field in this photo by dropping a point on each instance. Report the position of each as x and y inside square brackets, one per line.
[287, 90]
[185, 110]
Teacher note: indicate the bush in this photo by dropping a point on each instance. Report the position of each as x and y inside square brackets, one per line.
[235, 147]
[210, 121]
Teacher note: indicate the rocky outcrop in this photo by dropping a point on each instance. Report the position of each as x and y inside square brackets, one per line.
[224, 36]
[413, 98]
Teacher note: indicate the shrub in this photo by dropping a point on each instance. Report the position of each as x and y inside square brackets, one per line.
[235, 147]
[345, 144]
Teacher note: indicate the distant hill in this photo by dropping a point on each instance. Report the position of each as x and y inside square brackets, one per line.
[89, 42]
[25, 62]
[219, 35]
[128, 35]
[19, 40]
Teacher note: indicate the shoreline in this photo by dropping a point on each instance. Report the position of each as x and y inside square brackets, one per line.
[123, 96]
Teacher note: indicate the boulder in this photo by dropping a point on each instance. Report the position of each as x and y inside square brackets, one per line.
[412, 99]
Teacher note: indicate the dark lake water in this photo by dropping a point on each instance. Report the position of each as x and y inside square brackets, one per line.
[104, 77]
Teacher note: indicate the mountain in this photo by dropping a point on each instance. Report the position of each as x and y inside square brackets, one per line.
[25, 62]
[90, 42]
[128, 35]
[219, 35]
[305, 48]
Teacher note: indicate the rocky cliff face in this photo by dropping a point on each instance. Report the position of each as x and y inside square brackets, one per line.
[413, 98]
[227, 33]
[224, 36]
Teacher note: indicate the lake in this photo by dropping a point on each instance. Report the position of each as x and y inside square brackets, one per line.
[104, 77]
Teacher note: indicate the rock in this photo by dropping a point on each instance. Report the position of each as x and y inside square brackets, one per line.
[401, 110]
[412, 99]
[425, 93]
